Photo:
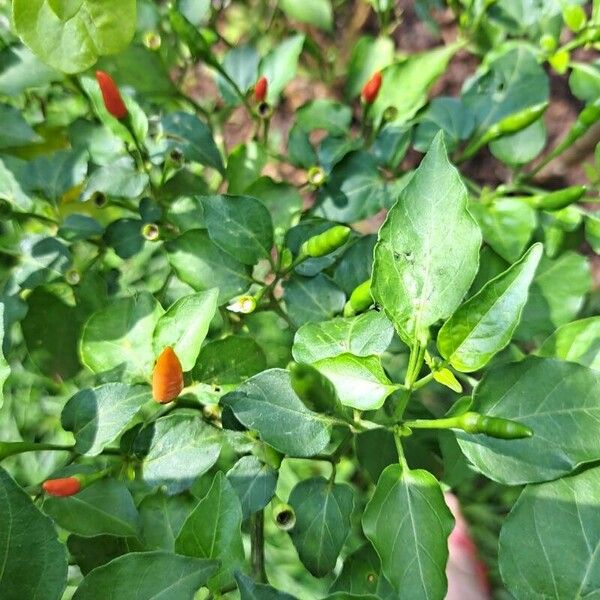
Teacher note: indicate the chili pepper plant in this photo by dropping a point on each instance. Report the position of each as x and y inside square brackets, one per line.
[276, 286]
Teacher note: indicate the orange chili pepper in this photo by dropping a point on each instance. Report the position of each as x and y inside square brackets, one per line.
[167, 377]
[371, 88]
[112, 97]
[65, 486]
[260, 89]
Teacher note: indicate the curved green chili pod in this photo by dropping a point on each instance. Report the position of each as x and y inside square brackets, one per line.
[496, 427]
[314, 389]
[360, 299]
[559, 199]
[326, 242]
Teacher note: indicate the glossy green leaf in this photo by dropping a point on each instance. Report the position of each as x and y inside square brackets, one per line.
[279, 66]
[151, 574]
[124, 236]
[120, 337]
[162, 518]
[325, 114]
[555, 528]
[184, 326]
[177, 449]
[323, 511]
[557, 399]
[54, 175]
[268, 404]
[244, 166]
[104, 507]
[43, 259]
[16, 131]
[249, 590]
[408, 523]
[119, 180]
[213, 530]
[90, 553]
[578, 342]
[311, 299]
[97, 416]
[365, 335]
[313, 12]
[34, 567]
[241, 64]
[360, 381]
[484, 324]
[239, 225]
[428, 249]
[368, 55]
[20, 69]
[4, 366]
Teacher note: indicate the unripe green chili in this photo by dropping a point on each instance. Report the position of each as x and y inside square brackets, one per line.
[559, 199]
[326, 242]
[496, 427]
[360, 299]
[314, 389]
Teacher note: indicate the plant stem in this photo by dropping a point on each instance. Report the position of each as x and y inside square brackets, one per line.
[448, 423]
[12, 448]
[257, 546]
[400, 450]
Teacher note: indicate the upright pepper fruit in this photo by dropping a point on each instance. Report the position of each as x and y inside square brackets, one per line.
[260, 89]
[371, 88]
[110, 94]
[65, 486]
[360, 299]
[167, 377]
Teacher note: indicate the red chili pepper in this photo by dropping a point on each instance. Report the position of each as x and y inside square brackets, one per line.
[371, 88]
[260, 89]
[111, 95]
[167, 378]
[65, 486]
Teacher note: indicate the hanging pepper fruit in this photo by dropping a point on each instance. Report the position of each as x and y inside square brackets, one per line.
[260, 89]
[496, 427]
[559, 199]
[65, 486]
[167, 377]
[360, 299]
[314, 389]
[326, 242]
[371, 88]
[110, 94]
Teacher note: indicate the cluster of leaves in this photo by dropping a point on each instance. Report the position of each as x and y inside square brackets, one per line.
[121, 238]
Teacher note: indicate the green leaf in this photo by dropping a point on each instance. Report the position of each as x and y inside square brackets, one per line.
[521, 147]
[163, 517]
[12, 183]
[312, 298]
[119, 336]
[405, 84]
[184, 326]
[241, 64]
[191, 136]
[98, 27]
[507, 225]
[98, 416]
[557, 399]
[578, 342]
[34, 564]
[367, 334]
[177, 449]
[16, 131]
[368, 55]
[104, 507]
[119, 180]
[249, 590]
[42, 259]
[356, 264]
[244, 166]
[213, 530]
[323, 511]
[485, 323]
[556, 296]
[279, 66]
[314, 12]
[65, 9]
[267, 403]
[549, 523]
[360, 381]
[239, 225]
[254, 483]
[201, 264]
[56, 174]
[427, 253]
[124, 236]
[332, 116]
[408, 522]
[151, 574]
[21, 70]
[92, 552]
[229, 360]
[4, 366]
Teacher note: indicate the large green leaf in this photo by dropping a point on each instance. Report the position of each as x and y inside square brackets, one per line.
[323, 510]
[90, 553]
[249, 590]
[365, 335]
[4, 366]
[178, 448]
[97, 416]
[21, 70]
[408, 523]
[484, 324]
[312, 298]
[119, 337]
[268, 404]
[428, 249]
[558, 400]
[105, 507]
[578, 341]
[314, 12]
[549, 542]
[184, 326]
[360, 381]
[94, 28]
[152, 575]
[213, 530]
[119, 179]
[34, 563]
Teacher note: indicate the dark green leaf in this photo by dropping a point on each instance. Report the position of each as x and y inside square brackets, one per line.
[92, 552]
[312, 298]
[249, 590]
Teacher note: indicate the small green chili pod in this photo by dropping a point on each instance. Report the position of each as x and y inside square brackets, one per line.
[360, 299]
[314, 389]
[560, 199]
[326, 242]
[496, 427]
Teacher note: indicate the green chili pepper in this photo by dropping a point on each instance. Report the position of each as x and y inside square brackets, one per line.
[360, 299]
[198, 46]
[559, 199]
[496, 427]
[314, 389]
[326, 242]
